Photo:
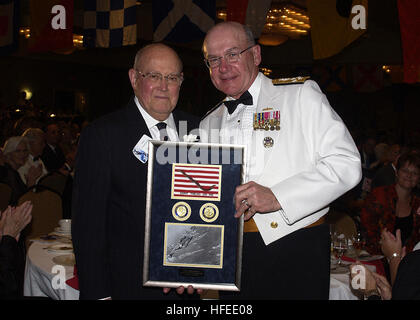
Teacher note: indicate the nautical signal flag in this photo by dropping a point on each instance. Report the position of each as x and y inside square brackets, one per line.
[409, 13]
[109, 23]
[51, 25]
[182, 21]
[335, 24]
[252, 13]
[9, 25]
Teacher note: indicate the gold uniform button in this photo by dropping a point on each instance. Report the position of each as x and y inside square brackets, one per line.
[274, 224]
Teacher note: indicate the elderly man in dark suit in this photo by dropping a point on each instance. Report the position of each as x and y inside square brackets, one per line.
[109, 192]
[52, 155]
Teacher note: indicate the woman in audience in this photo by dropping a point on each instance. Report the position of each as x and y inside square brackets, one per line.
[394, 207]
[15, 152]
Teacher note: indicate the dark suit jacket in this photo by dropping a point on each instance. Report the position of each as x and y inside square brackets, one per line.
[53, 160]
[384, 176]
[407, 282]
[12, 265]
[108, 211]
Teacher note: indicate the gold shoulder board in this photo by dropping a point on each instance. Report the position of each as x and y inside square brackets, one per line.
[295, 80]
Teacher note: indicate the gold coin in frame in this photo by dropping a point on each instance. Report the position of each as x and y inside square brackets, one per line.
[181, 211]
[209, 212]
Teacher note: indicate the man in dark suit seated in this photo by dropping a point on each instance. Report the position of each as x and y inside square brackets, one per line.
[109, 193]
[386, 175]
[52, 155]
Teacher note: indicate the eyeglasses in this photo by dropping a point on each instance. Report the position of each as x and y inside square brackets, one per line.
[230, 57]
[171, 79]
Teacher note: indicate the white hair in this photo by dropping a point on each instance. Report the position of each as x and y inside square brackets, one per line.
[33, 134]
[12, 143]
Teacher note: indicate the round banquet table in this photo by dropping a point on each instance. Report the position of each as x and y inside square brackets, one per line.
[39, 277]
[38, 280]
[340, 283]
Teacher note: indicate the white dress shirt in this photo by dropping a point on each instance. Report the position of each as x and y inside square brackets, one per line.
[23, 170]
[237, 128]
[151, 124]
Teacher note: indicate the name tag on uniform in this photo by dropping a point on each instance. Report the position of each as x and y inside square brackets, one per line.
[140, 150]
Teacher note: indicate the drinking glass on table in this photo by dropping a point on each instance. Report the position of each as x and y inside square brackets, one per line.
[359, 242]
[340, 246]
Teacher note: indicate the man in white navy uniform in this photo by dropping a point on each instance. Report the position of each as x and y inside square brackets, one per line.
[300, 157]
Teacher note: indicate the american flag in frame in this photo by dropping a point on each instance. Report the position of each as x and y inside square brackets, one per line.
[196, 181]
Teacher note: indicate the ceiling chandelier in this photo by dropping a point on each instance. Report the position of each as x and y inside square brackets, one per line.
[284, 21]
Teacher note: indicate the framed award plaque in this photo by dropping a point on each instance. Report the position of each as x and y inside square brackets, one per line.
[191, 234]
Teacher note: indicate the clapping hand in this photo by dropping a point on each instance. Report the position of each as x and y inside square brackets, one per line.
[33, 174]
[391, 244]
[14, 220]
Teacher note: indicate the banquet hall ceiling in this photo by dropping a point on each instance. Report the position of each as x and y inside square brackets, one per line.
[381, 44]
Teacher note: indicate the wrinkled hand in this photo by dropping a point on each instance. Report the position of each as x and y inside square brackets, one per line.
[252, 197]
[180, 290]
[14, 220]
[34, 172]
[392, 244]
[369, 280]
[383, 285]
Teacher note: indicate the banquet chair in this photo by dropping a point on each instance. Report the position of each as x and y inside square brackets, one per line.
[5, 194]
[46, 211]
[342, 223]
[55, 181]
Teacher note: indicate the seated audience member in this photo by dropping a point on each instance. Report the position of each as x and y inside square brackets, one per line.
[68, 171]
[380, 150]
[36, 143]
[369, 161]
[404, 269]
[394, 207]
[12, 250]
[52, 155]
[16, 153]
[66, 139]
[386, 175]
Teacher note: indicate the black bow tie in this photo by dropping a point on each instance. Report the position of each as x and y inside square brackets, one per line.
[245, 98]
[36, 158]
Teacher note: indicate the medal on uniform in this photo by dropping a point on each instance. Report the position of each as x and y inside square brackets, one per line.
[268, 120]
[255, 124]
[268, 142]
[277, 120]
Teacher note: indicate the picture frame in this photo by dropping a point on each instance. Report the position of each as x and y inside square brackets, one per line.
[191, 234]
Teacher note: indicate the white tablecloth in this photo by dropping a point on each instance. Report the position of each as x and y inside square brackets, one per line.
[39, 276]
[340, 286]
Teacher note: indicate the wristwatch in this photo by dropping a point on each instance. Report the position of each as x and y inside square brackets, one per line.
[372, 295]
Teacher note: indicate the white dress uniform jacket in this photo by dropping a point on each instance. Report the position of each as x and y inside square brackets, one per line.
[312, 162]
